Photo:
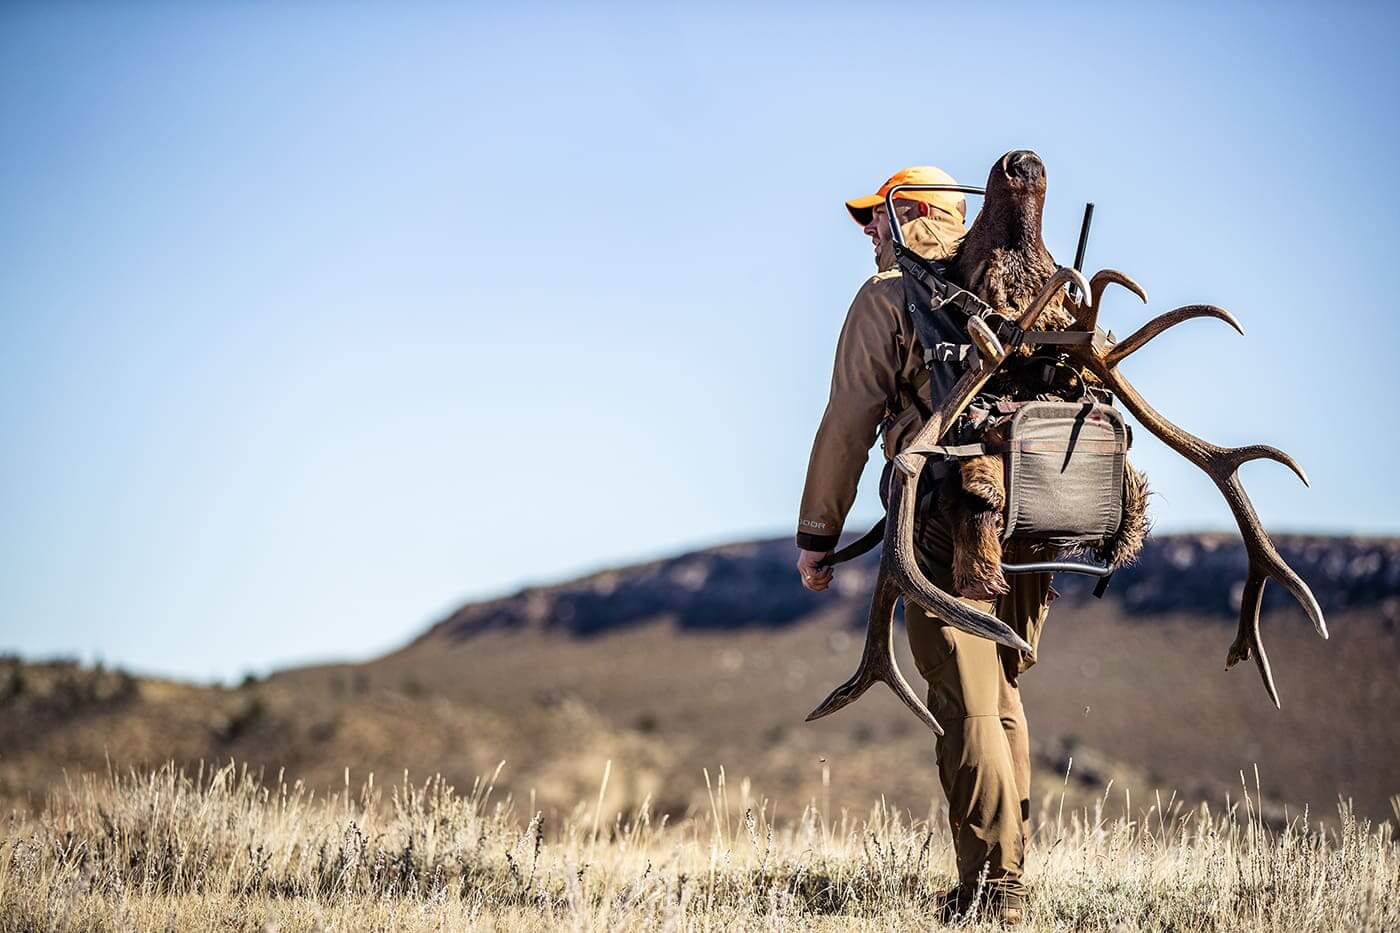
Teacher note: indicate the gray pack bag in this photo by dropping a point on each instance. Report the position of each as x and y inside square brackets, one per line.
[1064, 472]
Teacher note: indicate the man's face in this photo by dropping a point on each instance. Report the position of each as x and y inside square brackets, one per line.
[879, 227]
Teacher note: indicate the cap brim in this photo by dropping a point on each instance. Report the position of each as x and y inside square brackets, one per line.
[862, 208]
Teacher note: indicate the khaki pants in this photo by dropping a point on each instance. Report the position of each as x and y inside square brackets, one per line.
[984, 758]
[984, 754]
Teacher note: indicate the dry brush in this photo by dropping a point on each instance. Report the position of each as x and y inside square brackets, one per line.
[222, 849]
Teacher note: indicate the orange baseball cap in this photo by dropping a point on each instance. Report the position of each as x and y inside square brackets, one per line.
[953, 201]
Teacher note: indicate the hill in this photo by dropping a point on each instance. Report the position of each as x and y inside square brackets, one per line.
[753, 584]
[713, 658]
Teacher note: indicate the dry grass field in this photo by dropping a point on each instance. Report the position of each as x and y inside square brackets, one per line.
[647, 767]
[217, 849]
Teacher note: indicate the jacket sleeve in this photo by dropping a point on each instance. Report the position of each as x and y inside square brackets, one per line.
[863, 381]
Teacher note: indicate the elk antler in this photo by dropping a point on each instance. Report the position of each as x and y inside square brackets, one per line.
[1087, 314]
[877, 661]
[899, 569]
[1221, 464]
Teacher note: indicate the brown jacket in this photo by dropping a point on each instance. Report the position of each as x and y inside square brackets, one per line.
[873, 381]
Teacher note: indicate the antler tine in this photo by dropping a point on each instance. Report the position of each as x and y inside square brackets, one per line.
[1161, 322]
[1088, 316]
[877, 661]
[1264, 559]
[1106, 277]
[1065, 275]
[1241, 455]
[1247, 640]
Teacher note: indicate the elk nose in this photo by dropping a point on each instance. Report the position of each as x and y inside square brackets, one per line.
[1024, 164]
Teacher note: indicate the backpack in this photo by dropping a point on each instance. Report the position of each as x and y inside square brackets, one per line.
[1064, 448]
[1064, 444]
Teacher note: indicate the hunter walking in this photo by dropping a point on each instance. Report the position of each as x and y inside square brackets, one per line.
[984, 756]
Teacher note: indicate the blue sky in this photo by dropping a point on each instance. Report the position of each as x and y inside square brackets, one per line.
[317, 320]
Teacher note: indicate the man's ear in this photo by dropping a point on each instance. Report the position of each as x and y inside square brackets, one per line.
[922, 208]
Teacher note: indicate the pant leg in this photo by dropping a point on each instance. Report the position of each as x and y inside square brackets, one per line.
[1025, 609]
[1013, 723]
[983, 755]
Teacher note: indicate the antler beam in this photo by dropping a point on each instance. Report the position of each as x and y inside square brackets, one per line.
[1221, 464]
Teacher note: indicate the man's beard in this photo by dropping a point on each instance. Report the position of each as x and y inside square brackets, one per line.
[884, 256]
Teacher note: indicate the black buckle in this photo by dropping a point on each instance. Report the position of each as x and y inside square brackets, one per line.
[946, 353]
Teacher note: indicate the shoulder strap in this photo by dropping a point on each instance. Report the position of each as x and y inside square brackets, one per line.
[938, 310]
[932, 276]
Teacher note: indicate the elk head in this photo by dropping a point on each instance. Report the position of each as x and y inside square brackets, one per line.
[1002, 259]
[1014, 204]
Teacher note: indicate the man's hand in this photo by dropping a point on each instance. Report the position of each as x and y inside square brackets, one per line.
[814, 578]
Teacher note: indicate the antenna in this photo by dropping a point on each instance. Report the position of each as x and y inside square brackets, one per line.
[1083, 238]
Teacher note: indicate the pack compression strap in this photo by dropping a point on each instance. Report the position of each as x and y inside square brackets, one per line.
[957, 451]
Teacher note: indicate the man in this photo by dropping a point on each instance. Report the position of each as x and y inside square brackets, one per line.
[878, 386]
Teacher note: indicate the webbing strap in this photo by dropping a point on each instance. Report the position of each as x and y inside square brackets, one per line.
[862, 545]
[930, 274]
[955, 451]
[1060, 337]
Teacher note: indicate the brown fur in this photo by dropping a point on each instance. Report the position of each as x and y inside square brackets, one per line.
[984, 481]
[1124, 547]
[976, 498]
[1003, 260]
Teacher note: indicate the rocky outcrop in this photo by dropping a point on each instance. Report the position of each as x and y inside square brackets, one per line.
[1204, 574]
[754, 584]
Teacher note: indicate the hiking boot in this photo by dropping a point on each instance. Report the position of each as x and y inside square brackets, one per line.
[956, 903]
[950, 905]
